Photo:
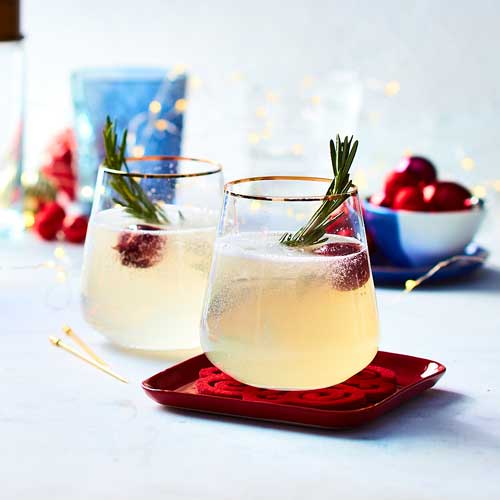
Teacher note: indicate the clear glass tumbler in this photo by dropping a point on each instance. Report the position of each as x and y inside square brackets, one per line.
[143, 283]
[288, 318]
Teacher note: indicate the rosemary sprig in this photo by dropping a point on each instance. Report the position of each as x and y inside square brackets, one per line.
[313, 233]
[132, 196]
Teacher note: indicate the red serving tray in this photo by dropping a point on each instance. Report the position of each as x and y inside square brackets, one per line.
[175, 387]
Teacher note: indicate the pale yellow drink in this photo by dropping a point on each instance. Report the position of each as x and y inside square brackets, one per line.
[283, 318]
[156, 306]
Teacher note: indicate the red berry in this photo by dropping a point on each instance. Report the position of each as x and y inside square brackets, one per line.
[409, 198]
[397, 180]
[140, 249]
[49, 220]
[341, 224]
[351, 272]
[59, 166]
[380, 199]
[75, 228]
[447, 196]
[420, 167]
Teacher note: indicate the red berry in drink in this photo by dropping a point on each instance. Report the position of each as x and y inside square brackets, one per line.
[352, 270]
[140, 249]
[340, 225]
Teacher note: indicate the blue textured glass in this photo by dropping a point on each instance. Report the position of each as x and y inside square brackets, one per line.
[143, 100]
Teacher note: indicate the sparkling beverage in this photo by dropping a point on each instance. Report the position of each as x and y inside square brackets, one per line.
[143, 286]
[286, 318]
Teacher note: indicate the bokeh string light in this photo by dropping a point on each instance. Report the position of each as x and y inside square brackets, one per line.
[410, 285]
[60, 265]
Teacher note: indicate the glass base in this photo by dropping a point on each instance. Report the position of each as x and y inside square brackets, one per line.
[321, 384]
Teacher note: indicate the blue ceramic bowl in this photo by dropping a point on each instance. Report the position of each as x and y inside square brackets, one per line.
[412, 239]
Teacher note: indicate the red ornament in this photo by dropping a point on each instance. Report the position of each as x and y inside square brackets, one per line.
[397, 180]
[447, 196]
[419, 167]
[380, 199]
[49, 220]
[410, 198]
[59, 166]
[75, 228]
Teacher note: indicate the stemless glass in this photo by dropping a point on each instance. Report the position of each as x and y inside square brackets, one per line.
[143, 283]
[288, 318]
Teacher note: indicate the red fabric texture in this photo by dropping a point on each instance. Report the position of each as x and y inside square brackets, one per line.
[369, 386]
[215, 386]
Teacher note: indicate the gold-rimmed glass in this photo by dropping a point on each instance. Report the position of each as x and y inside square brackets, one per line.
[281, 317]
[143, 282]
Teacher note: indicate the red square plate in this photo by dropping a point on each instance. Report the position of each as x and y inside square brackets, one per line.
[175, 387]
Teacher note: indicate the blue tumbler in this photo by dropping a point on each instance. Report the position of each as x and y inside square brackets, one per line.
[149, 102]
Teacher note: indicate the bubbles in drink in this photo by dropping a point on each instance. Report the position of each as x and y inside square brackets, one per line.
[287, 318]
[143, 286]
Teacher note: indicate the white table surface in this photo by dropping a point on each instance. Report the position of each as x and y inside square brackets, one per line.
[68, 431]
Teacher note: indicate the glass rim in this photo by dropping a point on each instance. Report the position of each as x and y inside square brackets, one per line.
[353, 190]
[216, 167]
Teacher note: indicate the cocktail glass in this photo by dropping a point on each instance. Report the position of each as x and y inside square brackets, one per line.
[281, 317]
[142, 283]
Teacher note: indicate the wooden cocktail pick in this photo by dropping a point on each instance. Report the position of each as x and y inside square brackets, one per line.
[59, 343]
[72, 335]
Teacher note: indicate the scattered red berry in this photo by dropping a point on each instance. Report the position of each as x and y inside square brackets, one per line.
[139, 249]
[49, 220]
[447, 196]
[419, 167]
[59, 166]
[75, 228]
[353, 271]
[409, 198]
[397, 180]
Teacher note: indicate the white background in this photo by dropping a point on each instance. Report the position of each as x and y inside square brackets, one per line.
[69, 431]
[444, 54]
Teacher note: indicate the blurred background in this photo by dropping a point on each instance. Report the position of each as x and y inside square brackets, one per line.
[270, 81]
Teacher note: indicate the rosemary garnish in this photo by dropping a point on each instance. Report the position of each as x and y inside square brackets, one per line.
[313, 233]
[132, 197]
